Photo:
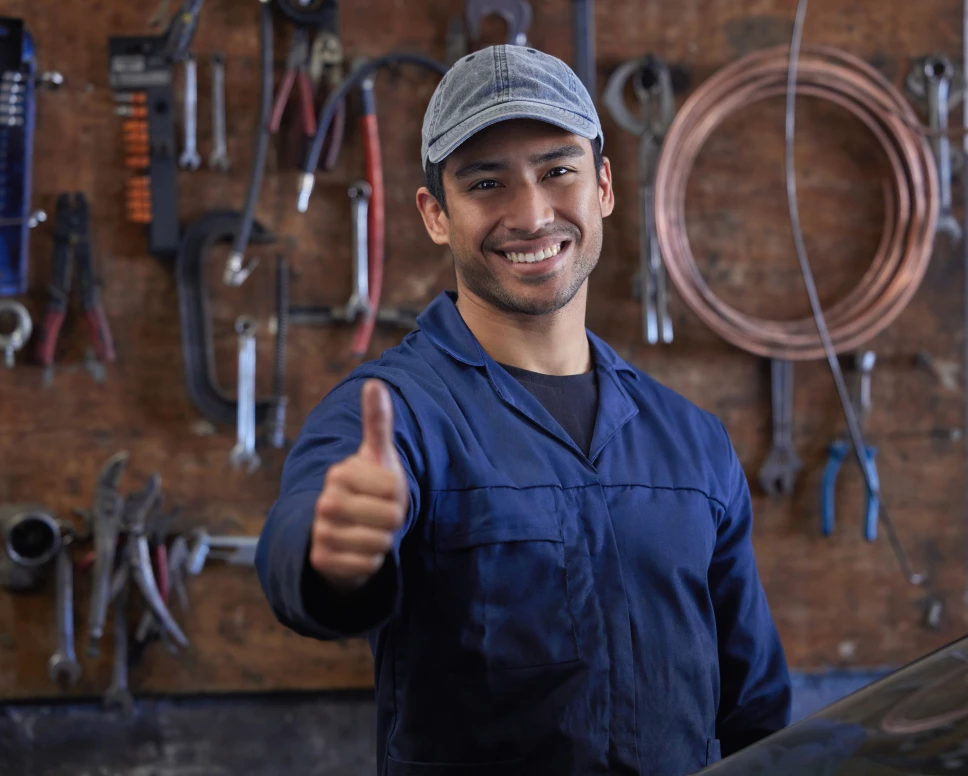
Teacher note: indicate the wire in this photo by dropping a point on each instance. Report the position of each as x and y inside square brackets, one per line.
[856, 435]
[964, 139]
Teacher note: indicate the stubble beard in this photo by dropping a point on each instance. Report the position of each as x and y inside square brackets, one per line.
[484, 284]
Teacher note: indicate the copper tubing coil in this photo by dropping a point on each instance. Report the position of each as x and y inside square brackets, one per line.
[911, 208]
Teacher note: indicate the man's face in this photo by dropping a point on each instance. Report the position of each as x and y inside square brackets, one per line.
[525, 210]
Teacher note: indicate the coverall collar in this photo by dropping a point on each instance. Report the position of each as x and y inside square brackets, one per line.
[442, 323]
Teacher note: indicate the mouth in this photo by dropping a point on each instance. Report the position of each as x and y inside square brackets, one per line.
[535, 256]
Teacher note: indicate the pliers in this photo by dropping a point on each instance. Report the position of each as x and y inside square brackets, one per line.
[297, 64]
[72, 235]
[839, 449]
[326, 64]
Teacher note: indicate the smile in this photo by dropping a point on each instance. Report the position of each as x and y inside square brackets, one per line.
[533, 258]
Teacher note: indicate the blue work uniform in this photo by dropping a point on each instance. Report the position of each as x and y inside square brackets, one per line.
[550, 606]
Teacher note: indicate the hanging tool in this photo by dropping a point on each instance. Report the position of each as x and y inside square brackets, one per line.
[779, 470]
[208, 396]
[177, 39]
[190, 158]
[63, 665]
[652, 85]
[516, 14]
[18, 86]
[309, 13]
[16, 338]
[839, 449]
[244, 453]
[583, 30]
[297, 74]
[938, 75]
[326, 66]
[219, 158]
[308, 178]
[72, 249]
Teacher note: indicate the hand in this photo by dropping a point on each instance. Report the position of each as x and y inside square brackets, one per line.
[364, 500]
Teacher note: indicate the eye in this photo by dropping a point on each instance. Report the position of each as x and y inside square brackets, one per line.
[557, 172]
[482, 185]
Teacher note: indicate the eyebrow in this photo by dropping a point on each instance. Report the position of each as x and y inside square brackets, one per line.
[569, 151]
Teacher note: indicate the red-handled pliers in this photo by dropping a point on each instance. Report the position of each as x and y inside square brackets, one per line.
[297, 64]
[72, 235]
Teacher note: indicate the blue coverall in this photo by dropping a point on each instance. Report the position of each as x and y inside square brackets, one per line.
[542, 611]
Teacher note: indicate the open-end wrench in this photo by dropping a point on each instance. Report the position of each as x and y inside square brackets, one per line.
[118, 695]
[105, 527]
[16, 339]
[190, 158]
[778, 473]
[63, 663]
[516, 13]
[244, 452]
[652, 85]
[234, 550]
[359, 301]
[938, 75]
[219, 158]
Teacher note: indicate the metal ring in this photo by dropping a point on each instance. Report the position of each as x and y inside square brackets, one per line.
[30, 559]
[16, 339]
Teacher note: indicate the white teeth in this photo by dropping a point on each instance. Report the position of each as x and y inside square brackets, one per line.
[531, 258]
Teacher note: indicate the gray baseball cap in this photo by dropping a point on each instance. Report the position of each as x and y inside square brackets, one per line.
[505, 82]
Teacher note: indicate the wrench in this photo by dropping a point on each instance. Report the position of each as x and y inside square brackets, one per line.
[583, 29]
[359, 302]
[219, 158]
[938, 74]
[190, 158]
[244, 452]
[652, 85]
[778, 472]
[105, 527]
[63, 663]
[16, 339]
[118, 695]
[516, 13]
[234, 550]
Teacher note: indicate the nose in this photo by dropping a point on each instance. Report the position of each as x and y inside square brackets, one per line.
[529, 210]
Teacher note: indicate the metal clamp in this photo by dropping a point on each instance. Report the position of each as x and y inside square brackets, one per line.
[16, 339]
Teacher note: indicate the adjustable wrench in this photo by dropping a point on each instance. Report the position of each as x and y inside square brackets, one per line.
[244, 453]
[652, 84]
[359, 302]
[778, 473]
[190, 158]
[938, 75]
[63, 663]
[219, 158]
[516, 13]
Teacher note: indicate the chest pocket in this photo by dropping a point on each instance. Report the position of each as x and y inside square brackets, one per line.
[501, 586]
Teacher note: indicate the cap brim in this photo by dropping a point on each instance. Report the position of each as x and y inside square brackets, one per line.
[444, 145]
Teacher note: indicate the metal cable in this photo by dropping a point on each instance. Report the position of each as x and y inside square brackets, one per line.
[853, 426]
[911, 206]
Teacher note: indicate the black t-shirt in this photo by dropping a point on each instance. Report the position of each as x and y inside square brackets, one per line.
[572, 400]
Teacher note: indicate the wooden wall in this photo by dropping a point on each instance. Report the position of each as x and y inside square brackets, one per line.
[838, 602]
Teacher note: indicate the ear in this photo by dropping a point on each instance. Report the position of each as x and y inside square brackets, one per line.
[606, 194]
[434, 218]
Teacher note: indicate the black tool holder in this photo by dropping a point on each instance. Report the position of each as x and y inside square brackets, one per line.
[139, 64]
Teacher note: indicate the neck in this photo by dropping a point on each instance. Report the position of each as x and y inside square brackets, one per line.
[552, 344]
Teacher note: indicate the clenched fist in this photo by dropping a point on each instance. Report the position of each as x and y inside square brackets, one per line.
[364, 500]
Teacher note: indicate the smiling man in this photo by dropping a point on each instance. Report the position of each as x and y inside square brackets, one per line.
[548, 551]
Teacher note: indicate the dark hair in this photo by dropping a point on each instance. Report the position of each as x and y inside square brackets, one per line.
[435, 174]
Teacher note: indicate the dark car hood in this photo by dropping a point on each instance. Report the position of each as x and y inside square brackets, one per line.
[913, 721]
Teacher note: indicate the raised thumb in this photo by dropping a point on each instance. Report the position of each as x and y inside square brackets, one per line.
[377, 410]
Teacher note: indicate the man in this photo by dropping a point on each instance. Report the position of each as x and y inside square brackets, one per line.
[548, 551]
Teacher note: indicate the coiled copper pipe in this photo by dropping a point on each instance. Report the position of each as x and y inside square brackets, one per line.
[912, 205]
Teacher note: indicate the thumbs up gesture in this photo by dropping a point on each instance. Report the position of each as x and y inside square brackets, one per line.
[364, 500]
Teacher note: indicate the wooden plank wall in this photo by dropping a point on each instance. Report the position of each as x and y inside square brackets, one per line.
[838, 602]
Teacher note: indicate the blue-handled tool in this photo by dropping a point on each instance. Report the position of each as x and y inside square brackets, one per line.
[837, 452]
